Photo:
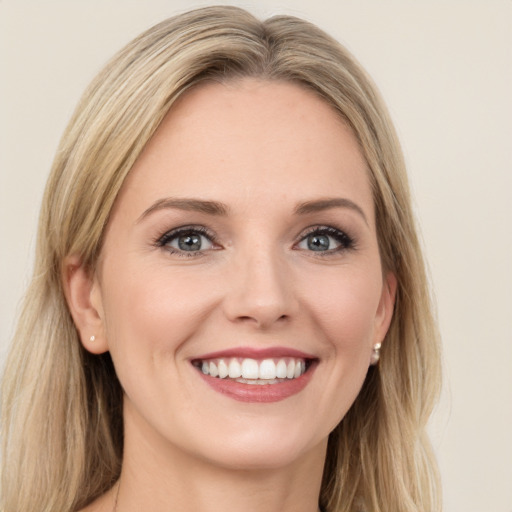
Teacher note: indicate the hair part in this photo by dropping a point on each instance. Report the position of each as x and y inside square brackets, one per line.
[62, 407]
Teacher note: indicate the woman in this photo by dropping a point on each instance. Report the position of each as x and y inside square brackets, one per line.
[226, 249]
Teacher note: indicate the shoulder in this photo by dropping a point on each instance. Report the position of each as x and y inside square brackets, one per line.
[105, 503]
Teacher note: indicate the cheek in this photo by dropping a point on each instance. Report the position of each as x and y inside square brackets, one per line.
[345, 306]
[154, 311]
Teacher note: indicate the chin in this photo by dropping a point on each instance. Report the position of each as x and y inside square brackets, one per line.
[265, 448]
[260, 458]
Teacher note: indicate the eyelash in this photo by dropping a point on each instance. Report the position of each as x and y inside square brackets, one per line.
[345, 241]
[171, 235]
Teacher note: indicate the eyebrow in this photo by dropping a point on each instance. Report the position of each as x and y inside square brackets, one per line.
[218, 208]
[328, 203]
[191, 205]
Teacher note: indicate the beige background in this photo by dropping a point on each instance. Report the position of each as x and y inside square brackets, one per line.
[445, 69]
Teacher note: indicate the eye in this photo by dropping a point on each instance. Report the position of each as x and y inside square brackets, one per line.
[191, 240]
[325, 240]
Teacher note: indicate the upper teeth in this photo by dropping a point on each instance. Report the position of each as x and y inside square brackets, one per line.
[266, 369]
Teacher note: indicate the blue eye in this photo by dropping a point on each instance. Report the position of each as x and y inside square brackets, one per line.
[326, 240]
[186, 240]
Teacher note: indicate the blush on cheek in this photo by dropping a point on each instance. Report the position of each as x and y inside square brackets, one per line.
[348, 314]
[163, 310]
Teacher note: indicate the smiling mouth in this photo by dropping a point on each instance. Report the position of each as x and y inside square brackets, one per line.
[254, 371]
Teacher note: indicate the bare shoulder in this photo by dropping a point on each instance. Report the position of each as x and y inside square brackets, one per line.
[104, 503]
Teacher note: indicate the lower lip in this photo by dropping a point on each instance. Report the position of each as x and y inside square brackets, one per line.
[262, 393]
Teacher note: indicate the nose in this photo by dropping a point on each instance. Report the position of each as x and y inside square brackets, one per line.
[260, 291]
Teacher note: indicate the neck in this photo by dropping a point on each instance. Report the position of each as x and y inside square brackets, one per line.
[159, 477]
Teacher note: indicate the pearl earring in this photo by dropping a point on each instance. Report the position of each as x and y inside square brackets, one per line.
[375, 354]
[92, 338]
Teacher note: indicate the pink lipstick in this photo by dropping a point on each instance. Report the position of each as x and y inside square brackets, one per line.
[256, 375]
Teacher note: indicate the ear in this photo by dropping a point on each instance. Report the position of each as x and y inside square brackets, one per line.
[385, 310]
[83, 295]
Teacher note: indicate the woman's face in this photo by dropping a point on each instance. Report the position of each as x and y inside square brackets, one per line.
[243, 242]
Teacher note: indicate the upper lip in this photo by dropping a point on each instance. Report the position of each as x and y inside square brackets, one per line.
[257, 353]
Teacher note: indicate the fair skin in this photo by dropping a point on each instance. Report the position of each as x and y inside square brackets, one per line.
[277, 260]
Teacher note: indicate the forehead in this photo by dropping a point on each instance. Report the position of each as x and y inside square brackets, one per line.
[249, 139]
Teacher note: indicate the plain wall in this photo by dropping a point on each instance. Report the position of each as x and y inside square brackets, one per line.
[445, 70]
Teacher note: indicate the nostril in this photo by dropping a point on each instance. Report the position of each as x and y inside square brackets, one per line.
[260, 320]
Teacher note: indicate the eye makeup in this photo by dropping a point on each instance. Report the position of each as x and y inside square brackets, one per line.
[325, 241]
[188, 241]
[196, 240]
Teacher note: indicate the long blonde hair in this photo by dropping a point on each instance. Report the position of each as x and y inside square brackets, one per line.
[62, 407]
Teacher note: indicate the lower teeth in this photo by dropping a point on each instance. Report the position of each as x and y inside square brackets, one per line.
[259, 381]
